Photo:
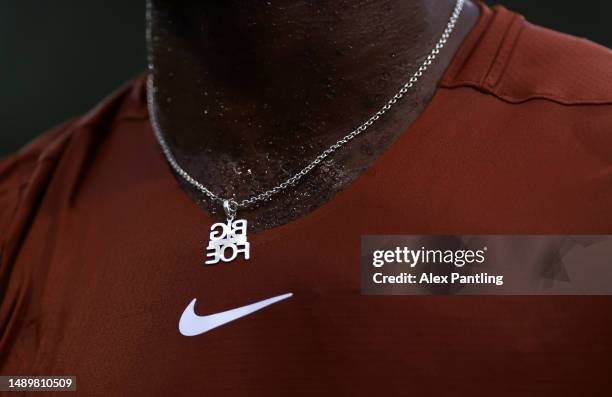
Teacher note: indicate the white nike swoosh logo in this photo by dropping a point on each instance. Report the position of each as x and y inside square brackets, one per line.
[191, 324]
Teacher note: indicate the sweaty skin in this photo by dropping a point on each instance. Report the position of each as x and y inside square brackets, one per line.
[250, 92]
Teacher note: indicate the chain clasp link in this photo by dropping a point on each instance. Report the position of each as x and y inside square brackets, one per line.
[230, 207]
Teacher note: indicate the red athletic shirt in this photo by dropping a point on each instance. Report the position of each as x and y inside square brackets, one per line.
[101, 251]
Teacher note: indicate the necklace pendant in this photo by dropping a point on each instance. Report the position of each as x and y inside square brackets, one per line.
[229, 239]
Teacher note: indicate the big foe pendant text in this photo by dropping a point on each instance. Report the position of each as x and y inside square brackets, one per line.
[227, 241]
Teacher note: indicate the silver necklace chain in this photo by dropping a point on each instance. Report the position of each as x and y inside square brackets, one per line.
[231, 205]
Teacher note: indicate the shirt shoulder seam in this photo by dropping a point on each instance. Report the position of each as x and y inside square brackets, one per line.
[542, 95]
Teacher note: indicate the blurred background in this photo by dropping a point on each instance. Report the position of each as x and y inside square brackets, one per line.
[60, 58]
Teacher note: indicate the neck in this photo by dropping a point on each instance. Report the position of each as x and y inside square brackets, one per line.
[248, 92]
[244, 71]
